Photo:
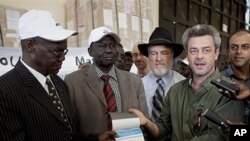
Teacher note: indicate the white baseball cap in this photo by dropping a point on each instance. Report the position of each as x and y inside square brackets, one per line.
[100, 32]
[39, 23]
[185, 61]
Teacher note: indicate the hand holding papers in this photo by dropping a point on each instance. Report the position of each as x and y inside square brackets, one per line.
[127, 127]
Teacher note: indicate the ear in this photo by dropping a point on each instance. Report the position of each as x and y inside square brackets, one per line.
[90, 51]
[30, 44]
[217, 53]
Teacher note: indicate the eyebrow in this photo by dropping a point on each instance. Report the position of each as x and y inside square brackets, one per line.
[240, 44]
[201, 47]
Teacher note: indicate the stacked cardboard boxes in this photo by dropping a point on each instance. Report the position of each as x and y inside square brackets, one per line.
[8, 23]
[131, 19]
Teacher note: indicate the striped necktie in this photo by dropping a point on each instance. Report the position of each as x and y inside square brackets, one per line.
[158, 99]
[110, 98]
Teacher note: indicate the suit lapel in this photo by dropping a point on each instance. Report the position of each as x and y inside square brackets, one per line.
[121, 78]
[94, 84]
[36, 90]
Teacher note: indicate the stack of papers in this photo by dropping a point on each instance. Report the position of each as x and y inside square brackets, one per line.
[127, 127]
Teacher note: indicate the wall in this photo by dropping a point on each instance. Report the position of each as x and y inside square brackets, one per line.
[56, 7]
[132, 20]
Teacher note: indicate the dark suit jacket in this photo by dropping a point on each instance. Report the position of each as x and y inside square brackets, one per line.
[26, 111]
[89, 101]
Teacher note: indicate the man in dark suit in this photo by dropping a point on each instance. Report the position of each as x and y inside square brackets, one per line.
[87, 87]
[29, 110]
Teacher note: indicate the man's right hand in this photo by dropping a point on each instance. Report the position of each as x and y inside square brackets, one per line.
[143, 120]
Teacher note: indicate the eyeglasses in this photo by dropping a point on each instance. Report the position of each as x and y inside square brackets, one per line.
[58, 53]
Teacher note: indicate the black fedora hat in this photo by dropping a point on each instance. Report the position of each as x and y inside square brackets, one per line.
[161, 36]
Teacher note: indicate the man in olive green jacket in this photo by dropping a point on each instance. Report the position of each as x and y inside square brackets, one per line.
[180, 118]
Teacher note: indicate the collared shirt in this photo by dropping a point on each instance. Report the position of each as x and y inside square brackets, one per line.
[113, 81]
[40, 77]
[230, 74]
[150, 85]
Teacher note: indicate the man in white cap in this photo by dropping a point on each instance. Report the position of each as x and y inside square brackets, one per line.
[34, 101]
[102, 86]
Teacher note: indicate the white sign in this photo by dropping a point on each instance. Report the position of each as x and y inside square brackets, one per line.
[75, 56]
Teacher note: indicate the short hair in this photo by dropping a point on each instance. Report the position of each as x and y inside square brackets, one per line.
[201, 30]
[128, 53]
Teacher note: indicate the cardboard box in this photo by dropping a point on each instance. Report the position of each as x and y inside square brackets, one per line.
[9, 17]
[130, 19]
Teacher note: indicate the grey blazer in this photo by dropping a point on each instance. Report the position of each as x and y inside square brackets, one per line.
[89, 101]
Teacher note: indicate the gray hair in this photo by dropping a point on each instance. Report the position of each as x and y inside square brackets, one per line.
[201, 30]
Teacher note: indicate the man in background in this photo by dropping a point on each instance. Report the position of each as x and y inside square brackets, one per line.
[128, 61]
[120, 60]
[239, 55]
[183, 67]
[140, 60]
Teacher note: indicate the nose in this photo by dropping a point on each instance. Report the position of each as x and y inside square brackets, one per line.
[199, 54]
[239, 50]
[139, 56]
[158, 57]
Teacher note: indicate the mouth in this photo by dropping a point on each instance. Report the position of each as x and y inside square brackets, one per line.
[200, 65]
[238, 58]
[108, 58]
[159, 65]
[139, 63]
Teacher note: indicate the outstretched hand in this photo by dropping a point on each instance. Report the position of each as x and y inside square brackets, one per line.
[143, 120]
[243, 94]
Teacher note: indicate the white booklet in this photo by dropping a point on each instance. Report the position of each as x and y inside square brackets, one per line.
[127, 127]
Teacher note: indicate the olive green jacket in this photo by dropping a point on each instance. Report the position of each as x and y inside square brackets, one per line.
[179, 111]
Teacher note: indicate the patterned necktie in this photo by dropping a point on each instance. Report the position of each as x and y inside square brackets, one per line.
[57, 102]
[158, 99]
[110, 98]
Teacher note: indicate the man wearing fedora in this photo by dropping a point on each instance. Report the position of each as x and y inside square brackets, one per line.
[182, 117]
[161, 51]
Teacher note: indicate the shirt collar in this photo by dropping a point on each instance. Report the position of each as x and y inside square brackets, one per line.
[207, 83]
[40, 77]
[111, 73]
[230, 70]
